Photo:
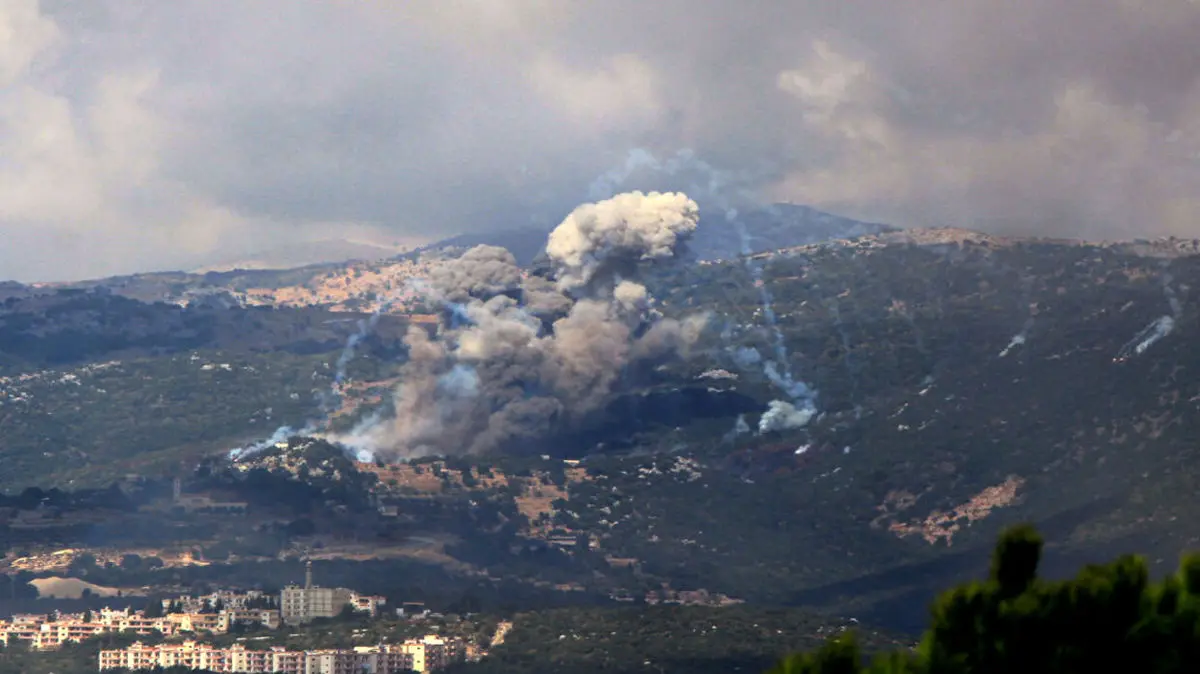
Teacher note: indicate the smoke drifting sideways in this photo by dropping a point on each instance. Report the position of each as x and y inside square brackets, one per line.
[518, 357]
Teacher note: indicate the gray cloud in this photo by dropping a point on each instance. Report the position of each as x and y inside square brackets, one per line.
[140, 135]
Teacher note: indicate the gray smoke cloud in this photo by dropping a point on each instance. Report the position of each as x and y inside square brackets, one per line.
[481, 272]
[528, 358]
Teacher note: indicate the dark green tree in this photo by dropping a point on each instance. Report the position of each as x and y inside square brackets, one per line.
[154, 608]
[1110, 617]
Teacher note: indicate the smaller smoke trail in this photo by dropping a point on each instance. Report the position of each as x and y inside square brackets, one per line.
[327, 400]
[764, 294]
[281, 434]
[1158, 328]
[359, 439]
[330, 398]
[796, 390]
[1169, 292]
[780, 415]
[740, 427]
[1018, 339]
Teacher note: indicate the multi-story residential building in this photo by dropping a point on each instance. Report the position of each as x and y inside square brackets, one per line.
[187, 654]
[303, 604]
[269, 618]
[423, 655]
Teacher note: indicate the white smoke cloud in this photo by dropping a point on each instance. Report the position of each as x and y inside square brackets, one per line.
[782, 415]
[605, 237]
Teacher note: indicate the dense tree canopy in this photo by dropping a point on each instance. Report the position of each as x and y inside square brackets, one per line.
[1109, 618]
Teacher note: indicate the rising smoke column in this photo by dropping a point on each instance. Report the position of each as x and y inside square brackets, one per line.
[525, 357]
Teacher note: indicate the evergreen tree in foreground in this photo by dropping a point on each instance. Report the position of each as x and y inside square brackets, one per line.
[1109, 618]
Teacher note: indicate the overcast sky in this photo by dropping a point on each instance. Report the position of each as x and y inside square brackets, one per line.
[150, 134]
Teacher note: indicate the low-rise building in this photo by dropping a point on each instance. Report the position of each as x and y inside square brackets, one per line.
[219, 599]
[370, 605]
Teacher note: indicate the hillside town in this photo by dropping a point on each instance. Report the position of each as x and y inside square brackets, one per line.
[215, 613]
[224, 612]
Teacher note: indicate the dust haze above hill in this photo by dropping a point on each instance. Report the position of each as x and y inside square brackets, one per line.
[175, 134]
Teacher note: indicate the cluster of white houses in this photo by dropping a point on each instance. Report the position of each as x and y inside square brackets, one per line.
[415, 655]
[48, 632]
[216, 613]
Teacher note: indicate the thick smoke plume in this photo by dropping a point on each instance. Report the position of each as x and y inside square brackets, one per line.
[517, 358]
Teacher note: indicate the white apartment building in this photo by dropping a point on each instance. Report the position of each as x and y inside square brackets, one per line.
[423, 655]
